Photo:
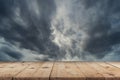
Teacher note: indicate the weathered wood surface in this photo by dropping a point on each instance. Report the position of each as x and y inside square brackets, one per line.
[59, 70]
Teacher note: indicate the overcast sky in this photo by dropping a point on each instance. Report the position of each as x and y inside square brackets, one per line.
[59, 30]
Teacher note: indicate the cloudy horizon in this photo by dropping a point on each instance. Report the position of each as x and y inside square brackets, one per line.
[59, 30]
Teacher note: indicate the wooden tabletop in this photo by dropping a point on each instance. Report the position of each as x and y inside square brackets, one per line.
[59, 70]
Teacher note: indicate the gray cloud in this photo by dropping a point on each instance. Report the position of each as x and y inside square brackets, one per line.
[33, 30]
[28, 24]
[87, 27]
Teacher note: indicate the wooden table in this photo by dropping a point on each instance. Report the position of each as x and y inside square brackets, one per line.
[59, 70]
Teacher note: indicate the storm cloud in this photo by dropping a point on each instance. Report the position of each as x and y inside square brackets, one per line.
[58, 30]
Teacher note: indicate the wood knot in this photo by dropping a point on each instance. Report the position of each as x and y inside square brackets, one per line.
[32, 68]
[45, 67]
[107, 67]
[11, 67]
[67, 67]
[111, 74]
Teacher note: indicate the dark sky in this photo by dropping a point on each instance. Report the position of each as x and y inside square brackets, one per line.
[59, 30]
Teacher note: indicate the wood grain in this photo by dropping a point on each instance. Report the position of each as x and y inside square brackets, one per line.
[89, 72]
[28, 72]
[43, 73]
[11, 69]
[66, 71]
[102, 70]
[114, 71]
[59, 70]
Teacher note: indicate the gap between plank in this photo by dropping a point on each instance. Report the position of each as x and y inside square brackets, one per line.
[51, 70]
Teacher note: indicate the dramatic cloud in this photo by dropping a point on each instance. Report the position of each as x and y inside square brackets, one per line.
[33, 30]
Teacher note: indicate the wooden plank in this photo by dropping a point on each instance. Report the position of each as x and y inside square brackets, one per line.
[6, 73]
[39, 73]
[5, 64]
[112, 69]
[28, 72]
[66, 71]
[89, 72]
[60, 71]
[2, 66]
[117, 64]
[106, 73]
[43, 73]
